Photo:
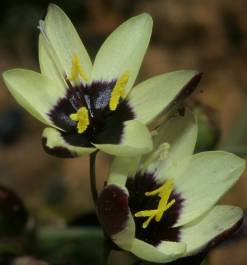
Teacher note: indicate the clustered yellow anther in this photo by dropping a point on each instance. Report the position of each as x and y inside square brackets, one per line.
[82, 119]
[77, 70]
[164, 193]
[118, 91]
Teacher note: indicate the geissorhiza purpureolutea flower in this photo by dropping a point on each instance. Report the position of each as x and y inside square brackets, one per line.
[92, 106]
[161, 206]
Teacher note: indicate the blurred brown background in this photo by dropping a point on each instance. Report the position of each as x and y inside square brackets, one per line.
[209, 35]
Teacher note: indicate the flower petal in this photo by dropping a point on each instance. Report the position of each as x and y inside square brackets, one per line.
[136, 140]
[208, 176]
[115, 216]
[55, 144]
[64, 39]
[121, 168]
[151, 97]
[123, 50]
[33, 91]
[210, 229]
[179, 135]
[47, 63]
[164, 252]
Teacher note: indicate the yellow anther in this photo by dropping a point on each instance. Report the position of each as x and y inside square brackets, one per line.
[82, 119]
[147, 222]
[166, 188]
[77, 70]
[118, 91]
[164, 192]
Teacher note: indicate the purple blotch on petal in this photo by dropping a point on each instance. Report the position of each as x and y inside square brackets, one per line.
[94, 97]
[138, 201]
[113, 129]
[199, 257]
[113, 209]
[105, 126]
[186, 91]
[58, 151]
[223, 236]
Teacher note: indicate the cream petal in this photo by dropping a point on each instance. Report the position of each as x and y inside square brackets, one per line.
[210, 229]
[173, 141]
[208, 176]
[123, 50]
[34, 92]
[121, 168]
[163, 253]
[136, 140]
[48, 66]
[151, 97]
[125, 238]
[64, 40]
[54, 144]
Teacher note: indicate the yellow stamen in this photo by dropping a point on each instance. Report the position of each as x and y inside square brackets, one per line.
[118, 91]
[164, 192]
[77, 70]
[82, 119]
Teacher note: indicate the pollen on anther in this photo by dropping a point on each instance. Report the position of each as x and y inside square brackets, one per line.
[82, 119]
[118, 91]
[164, 192]
[77, 70]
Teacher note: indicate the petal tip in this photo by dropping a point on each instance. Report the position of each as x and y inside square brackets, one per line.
[143, 20]
[7, 74]
[147, 17]
[53, 6]
[54, 11]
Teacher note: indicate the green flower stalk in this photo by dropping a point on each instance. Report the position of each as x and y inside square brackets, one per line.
[161, 206]
[90, 106]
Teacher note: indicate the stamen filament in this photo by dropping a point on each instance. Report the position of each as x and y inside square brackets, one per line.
[145, 213]
[164, 192]
[147, 222]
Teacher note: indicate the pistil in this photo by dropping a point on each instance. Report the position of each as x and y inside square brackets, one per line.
[164, 192]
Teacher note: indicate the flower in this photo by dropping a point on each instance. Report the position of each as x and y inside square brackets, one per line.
[92, 106]
[161, 206]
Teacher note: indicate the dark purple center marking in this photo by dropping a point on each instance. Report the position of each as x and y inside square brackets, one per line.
[113, 209]
[138, 201]
[58, 151]
[106, 127]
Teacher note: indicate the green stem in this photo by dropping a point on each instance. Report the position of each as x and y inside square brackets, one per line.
[93, 179]
[106, 247]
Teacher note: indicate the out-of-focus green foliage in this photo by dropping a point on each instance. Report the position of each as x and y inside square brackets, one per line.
[70, 246]
[208, 129]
